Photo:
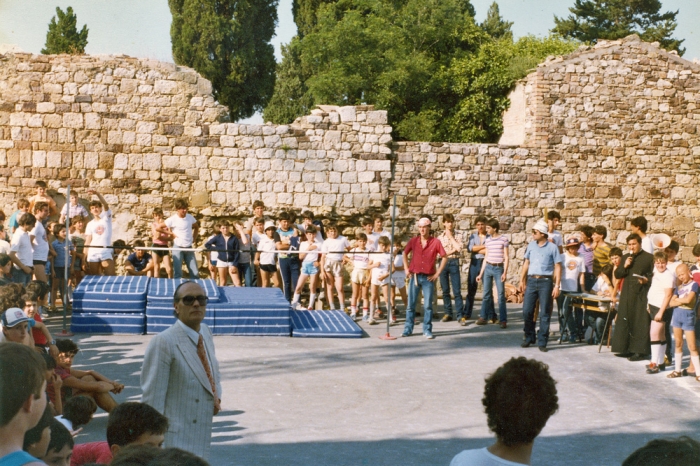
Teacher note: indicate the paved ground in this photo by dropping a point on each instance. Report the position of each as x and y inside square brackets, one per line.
[411, 401]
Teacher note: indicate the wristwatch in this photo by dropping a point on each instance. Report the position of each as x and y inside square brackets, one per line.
[52, 343]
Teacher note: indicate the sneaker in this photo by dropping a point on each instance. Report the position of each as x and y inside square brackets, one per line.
[371, 321]
[463, 321]
[504, 325]
[494, 320]
[365, 317]
[653, 369]
[543, 349]
[429, 336]
[481, 321]
[393, 318]
[405, 334]
[446, 318]
[353, 317]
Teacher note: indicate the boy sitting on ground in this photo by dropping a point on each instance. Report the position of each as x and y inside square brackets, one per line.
[60, 447]
[139, 262]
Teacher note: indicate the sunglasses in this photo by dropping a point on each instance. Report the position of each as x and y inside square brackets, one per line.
[189, 300]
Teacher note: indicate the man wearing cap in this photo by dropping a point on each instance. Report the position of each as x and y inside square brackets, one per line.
[423, 249]
[539, 279]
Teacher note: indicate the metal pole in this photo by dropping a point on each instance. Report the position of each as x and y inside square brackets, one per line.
[66, 249]
[390, 313]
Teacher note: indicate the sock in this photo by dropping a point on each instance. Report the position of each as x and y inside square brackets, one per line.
[296, 298]
[371, 309]
[312, 300]
[679, 361]
[695, 359]
[353, 309]
[365, 311]
[654, 352]
[662, 353]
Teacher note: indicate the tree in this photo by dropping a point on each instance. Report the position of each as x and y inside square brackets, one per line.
[63, 35]
[228, 42]
[290, 98]
[304, 13]
[495, 25]
[614, 19]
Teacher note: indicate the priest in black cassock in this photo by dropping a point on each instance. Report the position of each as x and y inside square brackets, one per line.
[631, 336]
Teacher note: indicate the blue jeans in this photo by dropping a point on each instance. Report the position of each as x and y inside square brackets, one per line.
[472, 285]
[18, 276]
[190, 261]
[246, 271]
[290, 270]
[451, 274]
[568, 317]
[428, 287]
[492, 274]
[538, 288]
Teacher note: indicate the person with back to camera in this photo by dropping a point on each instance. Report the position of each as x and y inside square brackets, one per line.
[683, 451]
[519, 398]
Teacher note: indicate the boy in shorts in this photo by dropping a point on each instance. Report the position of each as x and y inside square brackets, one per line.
[265, 255]
[161, 235]
[361, 265]
[380, 279]
[99, 233]
[332, 264]
[309, 252]
[684, 320]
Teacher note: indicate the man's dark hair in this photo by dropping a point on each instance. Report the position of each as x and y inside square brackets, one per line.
[311, 229]
[258, 204]
[36, 289]
[696, 250]
[65, 345]
[307, 214]
[40, 184]
[57, 229]
[171, 456]
[480, 219]
[519, 399]
[615, 252]
[139, 244]
[4, 259]
[33, 435]
[49, 360]
[284, 216]
[60, 437]
[22, 372]
[129, 421]
[683, 451]
[493, 223]
[26, 220]
[39, 206]
[587, 230]
[607, 270]
[674, 246]
[79, 410]
[634, 237]
[181, 204]
[601, 230]
[448, 218]
[552, 214]
[95, 203]
[366, 221]
[641, 223]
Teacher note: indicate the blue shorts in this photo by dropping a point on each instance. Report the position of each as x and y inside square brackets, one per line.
[684, 319]
[308, 268]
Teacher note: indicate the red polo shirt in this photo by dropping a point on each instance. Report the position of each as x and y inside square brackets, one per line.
[423, 259]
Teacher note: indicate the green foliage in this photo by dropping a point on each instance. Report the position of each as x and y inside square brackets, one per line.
[228, 42]
[494, 25]
[529, 51]
[63, 35]
[304, 12]
[290, 98]
[614, 19]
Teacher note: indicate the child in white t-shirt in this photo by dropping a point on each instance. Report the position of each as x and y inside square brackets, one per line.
[398, 279]
[361, 266]
[265, 256]
[658, 299]
[309, 252]
[332, 263]
[380, 279]
[572, 281]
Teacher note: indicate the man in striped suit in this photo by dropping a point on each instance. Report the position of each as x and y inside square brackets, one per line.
[180, 376]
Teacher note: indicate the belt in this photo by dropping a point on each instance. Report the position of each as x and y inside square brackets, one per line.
[540, 276]
[500, 264]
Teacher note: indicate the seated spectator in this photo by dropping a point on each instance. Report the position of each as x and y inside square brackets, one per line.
[139, 262]
[683, 451]
[37, 293]
[596, 320]
[36, 439]
[77, 382]
[77, 412]
[53, 385]
[60, 447]
[23, 400]
[16, 327]
[146, 455]
[129, 424]
[518, 398]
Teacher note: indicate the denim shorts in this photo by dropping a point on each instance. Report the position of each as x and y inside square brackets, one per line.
[684, 319]
[308, 268]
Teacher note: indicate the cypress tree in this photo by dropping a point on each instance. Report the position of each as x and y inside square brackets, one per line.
[63, 35]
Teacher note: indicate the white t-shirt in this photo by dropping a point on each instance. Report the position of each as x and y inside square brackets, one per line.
[319, 236]
[256, 237]
[556, 238]
[312, 256]
[5, 247]
[40, 245]
[672, 266]
[480, 457]
[22, 246]
[100, 229]
[399, 274]
[182, 228]
[384, 261]
[647, 245]
[375, 237]
[659, 283]
[371, 242]
[266, 247]
[573, 267]
[332, 246]
[360, 258]
[601, 285]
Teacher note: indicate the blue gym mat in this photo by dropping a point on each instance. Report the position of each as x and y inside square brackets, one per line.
[324, 324]
[251, 311]
[108, 324]
[163, 289]
[101, 294]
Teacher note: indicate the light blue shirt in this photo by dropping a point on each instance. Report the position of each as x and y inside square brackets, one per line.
[542, 258]
[475, 240]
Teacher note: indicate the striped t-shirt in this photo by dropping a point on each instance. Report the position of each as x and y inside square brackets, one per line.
[601, 257]
[495, 249]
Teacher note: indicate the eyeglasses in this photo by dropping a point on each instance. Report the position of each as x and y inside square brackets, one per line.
[189, 300]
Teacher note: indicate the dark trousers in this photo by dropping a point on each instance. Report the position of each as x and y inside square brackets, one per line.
[290, 270]
[538, 288]
[472, 285]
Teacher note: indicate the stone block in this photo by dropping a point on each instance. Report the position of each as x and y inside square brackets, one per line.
[164, 86]
[379, 165]
[377, 117]
[73, 120]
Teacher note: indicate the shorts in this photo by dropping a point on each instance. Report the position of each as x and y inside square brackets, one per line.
[36, 262]
[360, 277]
[60, 272]
[308, 268]
[102, 255]
[375, 278]
[399, 281]
[334, 268]
[222, 264]
[160, 253]
[683, 319]
[269, 268]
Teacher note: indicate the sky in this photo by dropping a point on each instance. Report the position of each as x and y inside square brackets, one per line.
[141, 28]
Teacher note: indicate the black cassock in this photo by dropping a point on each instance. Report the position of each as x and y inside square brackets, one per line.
[632, 325]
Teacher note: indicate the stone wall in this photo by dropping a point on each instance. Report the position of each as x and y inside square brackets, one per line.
[610, 132]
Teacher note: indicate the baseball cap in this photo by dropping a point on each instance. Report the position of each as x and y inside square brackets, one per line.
[13, 316]
[572, 241]
[424, 222]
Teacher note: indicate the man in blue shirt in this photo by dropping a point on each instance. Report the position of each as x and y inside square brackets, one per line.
[476, 248]
[539, 279]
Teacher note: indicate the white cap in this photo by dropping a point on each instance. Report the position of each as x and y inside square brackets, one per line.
[541, 226]
[270, 224]
[13, 316]
[424, 222]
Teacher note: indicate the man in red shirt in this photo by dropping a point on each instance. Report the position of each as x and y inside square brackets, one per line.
[423, 249]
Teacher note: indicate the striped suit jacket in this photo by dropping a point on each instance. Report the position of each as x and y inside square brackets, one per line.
[175, 383]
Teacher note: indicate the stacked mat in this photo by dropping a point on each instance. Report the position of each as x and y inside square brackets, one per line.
[251, 311]
[107, 305]
[324, 324]
[159, 302]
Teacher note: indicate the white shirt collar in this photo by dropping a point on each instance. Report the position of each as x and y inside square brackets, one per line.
[194, 336]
